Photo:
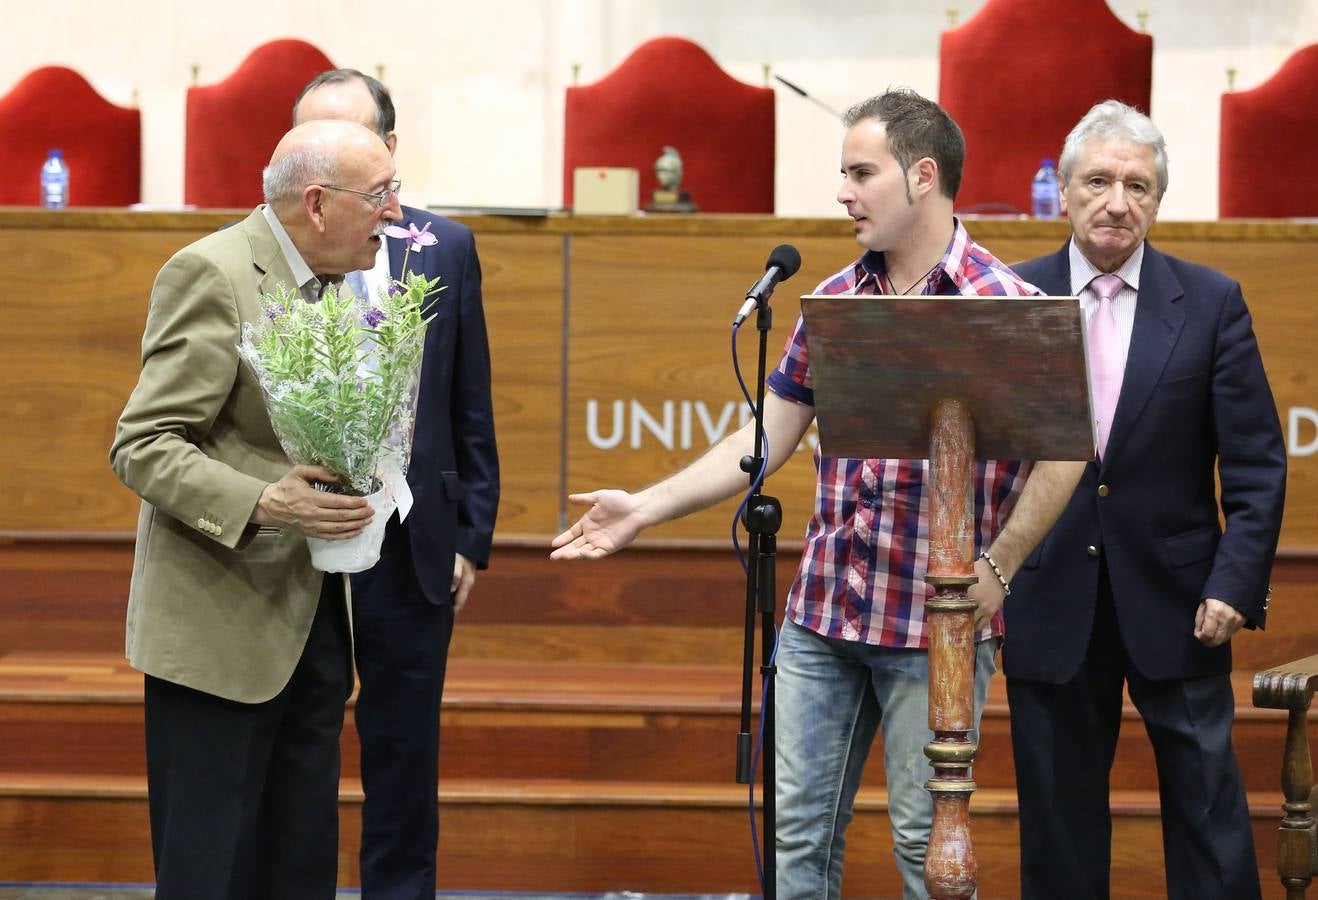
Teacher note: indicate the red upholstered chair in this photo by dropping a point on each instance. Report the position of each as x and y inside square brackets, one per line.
[234, 125]
[671, 92]
[102, 143]
[1269, 144]
[1019, 74]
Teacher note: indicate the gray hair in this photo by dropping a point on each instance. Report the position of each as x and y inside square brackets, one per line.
[1109, 120]
[286, 177]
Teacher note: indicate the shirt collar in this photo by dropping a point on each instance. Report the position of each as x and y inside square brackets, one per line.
[951, 268]
[1083, 271]
[306, 279]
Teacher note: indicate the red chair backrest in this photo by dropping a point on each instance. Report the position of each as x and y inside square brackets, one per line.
[56, 107]
[1269, 144]
[234, 125]
[1018, 76]
[671, 92]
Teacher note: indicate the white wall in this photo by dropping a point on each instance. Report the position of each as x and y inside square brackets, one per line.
[479, 86]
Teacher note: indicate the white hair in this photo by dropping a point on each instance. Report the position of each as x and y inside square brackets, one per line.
[1113, 119]
[286, 177]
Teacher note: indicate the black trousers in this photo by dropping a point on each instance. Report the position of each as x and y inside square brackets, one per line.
[1064, 738]
[401, 643]
[244, 797]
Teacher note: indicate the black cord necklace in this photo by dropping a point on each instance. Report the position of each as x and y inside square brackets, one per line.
[892, 288]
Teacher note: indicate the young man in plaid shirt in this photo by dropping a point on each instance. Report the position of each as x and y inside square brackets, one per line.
[853, 654]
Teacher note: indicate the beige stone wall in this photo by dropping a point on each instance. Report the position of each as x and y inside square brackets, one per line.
[479, 86]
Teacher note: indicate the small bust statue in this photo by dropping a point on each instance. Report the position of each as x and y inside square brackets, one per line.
[669, 197]
[668, 169]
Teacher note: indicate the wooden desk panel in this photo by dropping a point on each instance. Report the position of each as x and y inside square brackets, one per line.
[523, 296]
[649, 302]
[1280, 283]
[650, 349]
[74, 305]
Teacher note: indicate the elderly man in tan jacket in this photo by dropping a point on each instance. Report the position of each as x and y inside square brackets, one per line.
[245, 647]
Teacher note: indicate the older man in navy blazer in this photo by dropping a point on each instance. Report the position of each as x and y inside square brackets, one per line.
[1137, 583]
[403, 608]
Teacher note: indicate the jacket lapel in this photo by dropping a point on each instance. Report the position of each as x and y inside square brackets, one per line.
[1158, 324]
[1056, 280]
[266, 255]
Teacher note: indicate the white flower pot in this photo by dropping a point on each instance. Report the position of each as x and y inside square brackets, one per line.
[356, 554]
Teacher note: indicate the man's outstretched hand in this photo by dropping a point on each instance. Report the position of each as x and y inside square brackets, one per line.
[611, 523]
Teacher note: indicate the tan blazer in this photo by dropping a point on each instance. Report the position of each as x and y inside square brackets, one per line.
[216, 603]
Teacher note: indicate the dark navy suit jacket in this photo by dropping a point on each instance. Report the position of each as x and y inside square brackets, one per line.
[1194, 396]
[454, 472]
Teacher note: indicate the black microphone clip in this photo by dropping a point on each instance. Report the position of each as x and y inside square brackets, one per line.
[782, 265]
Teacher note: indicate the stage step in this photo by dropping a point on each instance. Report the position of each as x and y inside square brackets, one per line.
[563, 835]
[557, 776]
[81, 714]
[653, 604]
[589, 723]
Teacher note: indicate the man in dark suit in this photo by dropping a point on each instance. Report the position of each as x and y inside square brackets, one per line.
[1137, 582]
[403, 608]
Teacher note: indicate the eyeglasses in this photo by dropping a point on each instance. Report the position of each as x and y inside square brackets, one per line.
[381, 199]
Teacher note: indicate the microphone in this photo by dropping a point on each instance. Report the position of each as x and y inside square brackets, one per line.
[782, 265]
[815, 100]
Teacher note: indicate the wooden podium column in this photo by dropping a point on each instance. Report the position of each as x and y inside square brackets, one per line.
[950, 867]
[885, 371]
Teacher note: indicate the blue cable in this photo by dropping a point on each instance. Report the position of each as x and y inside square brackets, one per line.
[755, 767]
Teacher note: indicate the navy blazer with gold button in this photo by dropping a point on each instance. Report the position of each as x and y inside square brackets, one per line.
[1194, 398]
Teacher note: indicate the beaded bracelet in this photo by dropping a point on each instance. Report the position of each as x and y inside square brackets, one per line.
[1006, 588]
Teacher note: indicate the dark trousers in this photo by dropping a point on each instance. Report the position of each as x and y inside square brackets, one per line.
[1064, 737]
[244, 797]
[402, 642]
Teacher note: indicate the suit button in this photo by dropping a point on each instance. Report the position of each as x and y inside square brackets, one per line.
[1092, 550]
[1102, 490]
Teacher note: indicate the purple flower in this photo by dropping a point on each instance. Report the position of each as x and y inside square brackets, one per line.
[374, 317]
[396, 289]
[420, 237]
[274, 311]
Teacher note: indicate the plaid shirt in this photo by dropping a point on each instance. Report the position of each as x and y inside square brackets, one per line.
[861, 576]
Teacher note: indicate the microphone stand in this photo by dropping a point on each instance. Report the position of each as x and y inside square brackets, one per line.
[762, 517]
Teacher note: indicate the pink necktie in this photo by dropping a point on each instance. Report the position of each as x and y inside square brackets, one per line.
[1105, 355]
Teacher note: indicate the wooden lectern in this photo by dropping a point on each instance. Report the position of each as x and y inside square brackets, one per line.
[947, 378]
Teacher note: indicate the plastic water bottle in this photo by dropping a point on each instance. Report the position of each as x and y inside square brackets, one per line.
[55, 181]
[1045, 201]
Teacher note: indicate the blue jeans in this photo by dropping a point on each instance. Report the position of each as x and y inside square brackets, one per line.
[831, 698]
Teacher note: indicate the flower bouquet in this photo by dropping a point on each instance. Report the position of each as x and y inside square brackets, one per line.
[340, 380]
